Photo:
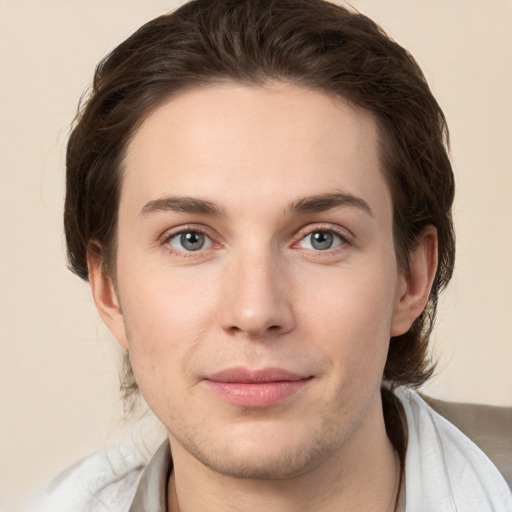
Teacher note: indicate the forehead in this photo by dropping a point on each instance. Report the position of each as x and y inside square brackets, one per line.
[275, 142]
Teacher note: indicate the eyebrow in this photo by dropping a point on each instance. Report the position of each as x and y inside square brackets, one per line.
[181, 204]
[324, 202]
[311, 204]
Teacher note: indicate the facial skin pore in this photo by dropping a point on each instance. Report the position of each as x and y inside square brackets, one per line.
[256, 290]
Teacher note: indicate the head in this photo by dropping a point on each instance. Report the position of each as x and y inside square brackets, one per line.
[308, 44]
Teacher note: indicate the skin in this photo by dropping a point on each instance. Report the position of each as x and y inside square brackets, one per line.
[260, 294]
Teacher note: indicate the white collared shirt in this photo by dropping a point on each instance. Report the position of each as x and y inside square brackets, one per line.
[444, 472]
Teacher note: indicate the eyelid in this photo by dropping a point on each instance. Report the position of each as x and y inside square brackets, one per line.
[178, 230]
[345, 235]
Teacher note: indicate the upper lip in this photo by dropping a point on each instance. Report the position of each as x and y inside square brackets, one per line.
[248, 376]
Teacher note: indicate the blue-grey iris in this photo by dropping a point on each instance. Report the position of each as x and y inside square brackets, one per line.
[321, 240]
[192, 240]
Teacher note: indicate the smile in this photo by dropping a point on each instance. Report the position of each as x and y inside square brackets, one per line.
[255, 388]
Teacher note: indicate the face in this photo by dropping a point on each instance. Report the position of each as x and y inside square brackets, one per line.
[257, 283]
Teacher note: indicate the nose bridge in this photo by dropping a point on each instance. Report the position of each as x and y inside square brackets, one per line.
[256, 302]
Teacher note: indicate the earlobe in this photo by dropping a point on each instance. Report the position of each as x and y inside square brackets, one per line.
[414, 295]
[105, 295]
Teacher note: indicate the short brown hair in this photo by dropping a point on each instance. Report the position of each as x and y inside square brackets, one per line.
[310, 43]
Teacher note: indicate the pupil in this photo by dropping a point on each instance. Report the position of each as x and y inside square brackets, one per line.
[321, 240]
[192, 241]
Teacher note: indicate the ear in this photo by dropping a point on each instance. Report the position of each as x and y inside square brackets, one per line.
[415, 289]
[105, 295]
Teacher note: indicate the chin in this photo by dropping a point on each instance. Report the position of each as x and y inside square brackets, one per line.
[281, 464]
[267, 453]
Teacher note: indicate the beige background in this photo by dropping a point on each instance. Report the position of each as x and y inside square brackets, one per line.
[58, 365]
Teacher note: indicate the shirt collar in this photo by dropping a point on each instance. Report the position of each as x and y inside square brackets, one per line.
[151, 493]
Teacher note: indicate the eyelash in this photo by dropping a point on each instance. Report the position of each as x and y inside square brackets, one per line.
[201, 230]
[344, 237]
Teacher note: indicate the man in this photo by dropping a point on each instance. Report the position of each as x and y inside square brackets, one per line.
[260, 195]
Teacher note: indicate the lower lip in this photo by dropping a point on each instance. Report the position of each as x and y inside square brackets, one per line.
[258, 394]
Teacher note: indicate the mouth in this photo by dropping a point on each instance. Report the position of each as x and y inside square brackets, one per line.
[255, 388]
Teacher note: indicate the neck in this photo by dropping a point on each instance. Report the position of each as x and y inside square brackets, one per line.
[364, 474]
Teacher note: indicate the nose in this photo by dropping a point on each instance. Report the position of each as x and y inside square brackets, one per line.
[256, 298]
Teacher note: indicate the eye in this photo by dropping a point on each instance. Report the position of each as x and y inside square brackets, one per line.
[321, 240]
[190, 241]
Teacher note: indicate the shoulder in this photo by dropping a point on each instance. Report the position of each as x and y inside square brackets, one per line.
[444, 468]
[489, 427]
[104, 481]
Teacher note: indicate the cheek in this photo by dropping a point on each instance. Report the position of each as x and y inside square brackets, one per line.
[350, 317]
[161, 299]
[166, 317]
